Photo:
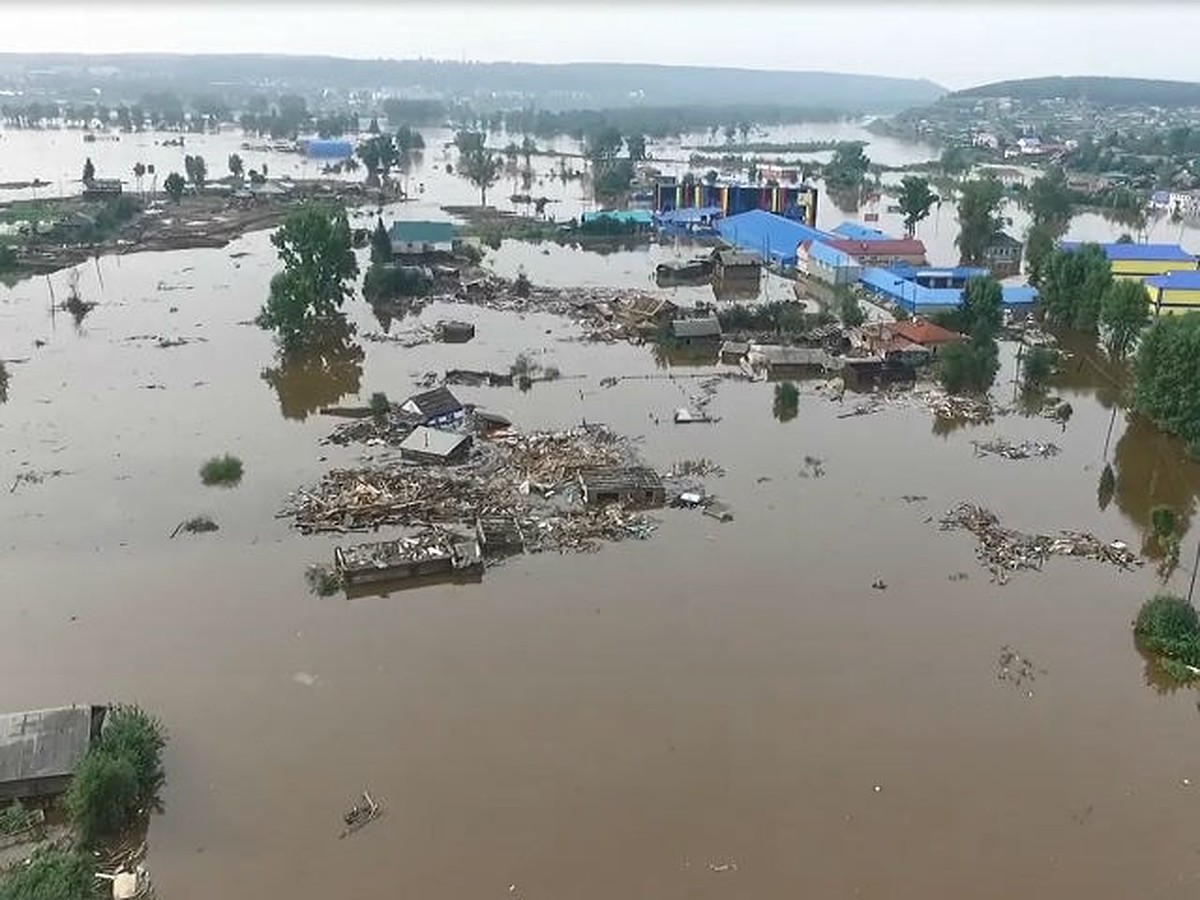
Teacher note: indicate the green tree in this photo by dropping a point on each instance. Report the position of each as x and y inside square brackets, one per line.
[482, 168]
[174, 185]
[1048, 202]
[601, 146]
[978, 218]
[1167, 386]
[636, 145]
[236, 167]
[408, 141]
[89, 171]
[916, 199]
[1039, 246]
[1072, 285]
[1124, 313]
[52, 874]
[196, 169]
[954, 161]
[970, 366]
[1037, 365]
[103, 796]
[315, 247]
[848, 166]
[983, 307]
[379, 155]
[851, 310]
[786, 404]
[139, 172]
[381, 243]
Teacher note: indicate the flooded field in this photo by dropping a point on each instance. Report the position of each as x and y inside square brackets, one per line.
[721, 710]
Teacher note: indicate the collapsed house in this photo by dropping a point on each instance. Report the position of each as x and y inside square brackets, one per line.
[436, 407]
[40, 749]
[633, 486]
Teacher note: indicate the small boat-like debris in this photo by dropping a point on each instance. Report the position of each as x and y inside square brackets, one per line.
[699, 269]
[406, 558]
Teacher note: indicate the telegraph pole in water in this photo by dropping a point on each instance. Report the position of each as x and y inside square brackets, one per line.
[1195, 566]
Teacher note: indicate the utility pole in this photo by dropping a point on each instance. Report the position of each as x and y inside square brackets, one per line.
[1195, 566]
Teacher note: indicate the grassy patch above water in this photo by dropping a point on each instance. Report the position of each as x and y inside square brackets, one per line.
[222, 470]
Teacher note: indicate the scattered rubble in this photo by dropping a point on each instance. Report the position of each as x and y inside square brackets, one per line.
[196, 525]
[1002, 550]
[1024, 450]
[34, 477]
[813, 467]
[530, 478]
[1015, 669]
[364, 811]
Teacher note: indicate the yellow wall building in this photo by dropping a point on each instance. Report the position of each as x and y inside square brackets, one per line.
[1175, 292]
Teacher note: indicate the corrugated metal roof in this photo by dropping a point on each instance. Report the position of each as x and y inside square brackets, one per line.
[437, 402]
[1137, 252]
[880, 247]
[1176, 281]
[772, 237]
[43, 743]
[913, 296]
[823, 253]
[422, 232]
[433, 441]
[859, 232]
[707, 326]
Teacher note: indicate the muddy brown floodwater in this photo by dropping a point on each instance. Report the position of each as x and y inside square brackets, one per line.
[724, 710]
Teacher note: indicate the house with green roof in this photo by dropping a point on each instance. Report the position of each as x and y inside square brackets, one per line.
[414, 238]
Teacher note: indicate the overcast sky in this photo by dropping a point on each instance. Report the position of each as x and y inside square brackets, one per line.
[954, 44]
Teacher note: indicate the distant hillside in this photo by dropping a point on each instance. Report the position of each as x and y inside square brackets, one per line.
[573, 85]
[1104, 91]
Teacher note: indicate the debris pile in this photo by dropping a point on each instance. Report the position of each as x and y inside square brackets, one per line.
[1016, 669]
[1024, 450]
[1002, 550]
[364, 811]
[529, 478]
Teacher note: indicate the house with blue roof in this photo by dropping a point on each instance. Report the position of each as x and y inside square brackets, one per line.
[1130, 260]
[856, 231]
[773, 238]
[1175, 292]
[909, 288]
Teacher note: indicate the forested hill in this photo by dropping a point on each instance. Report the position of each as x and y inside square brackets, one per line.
[572, 85]
[1104, 91]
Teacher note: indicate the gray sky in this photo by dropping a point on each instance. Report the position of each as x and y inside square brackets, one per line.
[956, 45]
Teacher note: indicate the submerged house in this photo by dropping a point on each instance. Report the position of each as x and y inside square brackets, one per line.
[102, 189]
[432, 445]
[693, 332]
[818, 260]
[40, 749]
[436, 407]
[732, 265]
[635, 486]
[1175, 292]
[785, 363]
[420, 238]
[1002, 255]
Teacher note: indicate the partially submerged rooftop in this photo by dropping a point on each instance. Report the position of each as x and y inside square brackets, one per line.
[40, 749]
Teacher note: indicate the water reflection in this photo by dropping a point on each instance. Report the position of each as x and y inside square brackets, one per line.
[668, 356]
[317, 376]
[1154, 673]
[1087, 371]
[388, 311]
[3, 382]
[1153, 469]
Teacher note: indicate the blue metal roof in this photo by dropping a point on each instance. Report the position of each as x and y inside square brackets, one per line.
[688, 215]
[326, 149]
[772, 237]
[858, 232]
[1175, 281]
[913, 296]
[1140, 252]
[836, 259]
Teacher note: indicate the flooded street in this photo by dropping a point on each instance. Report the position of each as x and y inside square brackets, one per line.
[723, 710]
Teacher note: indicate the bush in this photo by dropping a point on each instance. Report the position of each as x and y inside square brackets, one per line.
[851, 310]
[1168, 374]
[787, 401]
[1169, 626]
[223, 470]
[103, 797]
[968, 366]
[51, 875]
[138, 737]
[380, 405]
[14, 818]
[386, 282]
[8, 258]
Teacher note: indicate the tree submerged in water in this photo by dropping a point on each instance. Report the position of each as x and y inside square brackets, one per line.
[316, 249]
[786, 405]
